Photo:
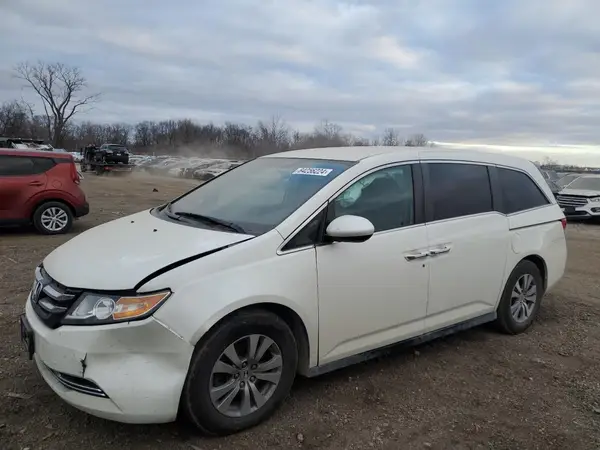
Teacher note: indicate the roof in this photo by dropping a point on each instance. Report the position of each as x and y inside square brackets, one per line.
[338, 153]
[34, 152]
[398, 153]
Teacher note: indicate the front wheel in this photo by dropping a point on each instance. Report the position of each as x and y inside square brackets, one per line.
[240, 374]
[521, 298]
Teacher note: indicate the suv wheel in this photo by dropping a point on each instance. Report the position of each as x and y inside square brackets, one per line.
[53, 218]
[240, 374]
[521, 298]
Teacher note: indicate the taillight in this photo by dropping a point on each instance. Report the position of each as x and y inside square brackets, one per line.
[74, 173]
[564, 222]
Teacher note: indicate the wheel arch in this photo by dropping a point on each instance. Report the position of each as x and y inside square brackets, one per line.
[288, 315]
[40, 202]
[540, 264]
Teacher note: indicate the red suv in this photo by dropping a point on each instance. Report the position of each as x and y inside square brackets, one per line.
[40, 188]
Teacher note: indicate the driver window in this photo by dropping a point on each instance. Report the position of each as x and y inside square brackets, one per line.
[384, 197]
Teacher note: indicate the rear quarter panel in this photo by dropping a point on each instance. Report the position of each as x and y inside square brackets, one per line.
[60, 187]
[540, 233]
[50, 195]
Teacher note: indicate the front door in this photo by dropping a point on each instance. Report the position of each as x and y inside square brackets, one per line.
[374, 293]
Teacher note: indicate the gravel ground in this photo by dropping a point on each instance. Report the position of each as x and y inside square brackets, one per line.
[475, 390]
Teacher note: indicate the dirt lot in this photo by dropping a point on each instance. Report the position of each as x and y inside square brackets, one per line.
[475, 390]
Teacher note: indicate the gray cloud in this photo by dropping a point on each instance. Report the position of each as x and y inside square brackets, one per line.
[460, 70]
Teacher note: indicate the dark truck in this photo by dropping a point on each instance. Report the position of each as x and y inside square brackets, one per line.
[106, 159]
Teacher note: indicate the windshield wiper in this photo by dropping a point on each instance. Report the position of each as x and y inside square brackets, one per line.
[212, 220]
[167, 210]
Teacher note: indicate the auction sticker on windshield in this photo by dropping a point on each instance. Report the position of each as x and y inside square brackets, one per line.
[316, 171]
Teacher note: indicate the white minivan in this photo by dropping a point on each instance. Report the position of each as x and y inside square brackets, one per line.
[300, 262]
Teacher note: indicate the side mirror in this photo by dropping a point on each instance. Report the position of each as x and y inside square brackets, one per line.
[350, 229]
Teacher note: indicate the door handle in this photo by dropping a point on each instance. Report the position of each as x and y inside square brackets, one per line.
[416, 255]
[439, 250]
[36, 183]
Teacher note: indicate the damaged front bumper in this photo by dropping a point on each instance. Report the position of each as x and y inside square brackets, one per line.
[129, 372]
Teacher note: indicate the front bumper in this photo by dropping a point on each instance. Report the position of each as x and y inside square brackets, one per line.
[587, 211]
[140, 367]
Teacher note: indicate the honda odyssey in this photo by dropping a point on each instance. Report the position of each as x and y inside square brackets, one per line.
[300, 262]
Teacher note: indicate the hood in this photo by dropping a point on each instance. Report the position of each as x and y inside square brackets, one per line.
[119, 254]
[580, 192]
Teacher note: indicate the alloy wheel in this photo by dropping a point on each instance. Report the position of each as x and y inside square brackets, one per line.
[523, 298]
[54, 219]
[246, 375]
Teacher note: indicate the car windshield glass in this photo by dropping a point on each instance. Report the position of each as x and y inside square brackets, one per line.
[257, 196]
[567, 179]
[586, 183]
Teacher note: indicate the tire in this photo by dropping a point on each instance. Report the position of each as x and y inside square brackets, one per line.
[196, 402]
[99, 170]
[525, 272]
[45, 213]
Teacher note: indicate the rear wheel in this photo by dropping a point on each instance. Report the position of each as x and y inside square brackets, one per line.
[240, 374]
[53, 218]
[521, 298]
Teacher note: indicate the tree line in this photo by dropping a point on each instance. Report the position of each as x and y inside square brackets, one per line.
[60, 89]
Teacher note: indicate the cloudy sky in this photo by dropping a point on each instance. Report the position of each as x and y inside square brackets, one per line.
[501, 72]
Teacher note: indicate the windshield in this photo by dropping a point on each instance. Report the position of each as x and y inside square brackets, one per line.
[567, 179]
[586, 183]
[257, 196]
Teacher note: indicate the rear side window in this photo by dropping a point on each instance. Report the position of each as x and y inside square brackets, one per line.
[23, 165]
[42, 165]
[519, 191]
[16, 166]
[455, 190]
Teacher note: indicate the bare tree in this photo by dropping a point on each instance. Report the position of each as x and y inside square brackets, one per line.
[391, 137]
[416, 140]
[549, 162]
[14, 120]
[60, 88]
[273, 135]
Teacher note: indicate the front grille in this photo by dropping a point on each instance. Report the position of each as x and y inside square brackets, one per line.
[571, 200]
[79, 384]
[51, 300]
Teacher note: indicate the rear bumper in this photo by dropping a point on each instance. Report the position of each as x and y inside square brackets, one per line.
[82, 210]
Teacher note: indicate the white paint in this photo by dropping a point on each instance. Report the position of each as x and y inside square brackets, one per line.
[351, 297]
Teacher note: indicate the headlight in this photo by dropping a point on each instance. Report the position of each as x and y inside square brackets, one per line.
[595, 199]
[96, 309]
